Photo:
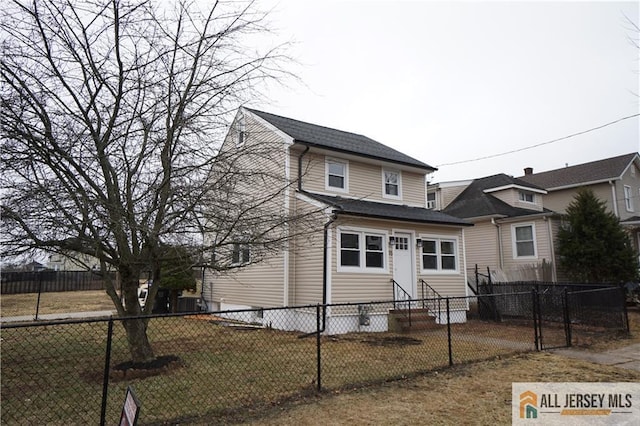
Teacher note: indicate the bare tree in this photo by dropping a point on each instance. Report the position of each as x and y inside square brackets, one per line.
[112, 113]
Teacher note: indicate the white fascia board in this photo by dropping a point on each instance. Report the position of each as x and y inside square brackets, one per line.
[578, 185]
[525, 218]
[453, 183]
[514, 186]
[285, 137]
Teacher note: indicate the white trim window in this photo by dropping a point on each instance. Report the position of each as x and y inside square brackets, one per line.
[628, 203]
[240, 254]
[431, 200]
[439, 254]
[527, 197]
[524, 241]
[337, 175]
[391, 184]
[361, 251]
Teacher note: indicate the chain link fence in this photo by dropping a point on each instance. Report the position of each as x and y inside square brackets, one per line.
[215, 367]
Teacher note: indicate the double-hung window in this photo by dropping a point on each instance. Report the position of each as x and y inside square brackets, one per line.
[391, 183]
[628, 203]
[439, 255]
[524, 241]
[527, 197]
[337, 175]
[240, 254]
[361, 251]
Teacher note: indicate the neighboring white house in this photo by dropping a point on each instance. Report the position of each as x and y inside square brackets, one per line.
[374, 229]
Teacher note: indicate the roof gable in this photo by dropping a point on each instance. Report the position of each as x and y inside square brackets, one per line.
[338, 140]
[596, 171]
[476, 201]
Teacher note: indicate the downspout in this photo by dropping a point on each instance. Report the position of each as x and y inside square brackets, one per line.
[500, 251]
[614, 199]
[306, 149]
[325, 262]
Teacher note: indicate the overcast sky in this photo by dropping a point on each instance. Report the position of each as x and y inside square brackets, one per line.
[452, 81]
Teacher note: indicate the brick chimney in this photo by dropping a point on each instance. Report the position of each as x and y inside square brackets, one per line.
[528, 171]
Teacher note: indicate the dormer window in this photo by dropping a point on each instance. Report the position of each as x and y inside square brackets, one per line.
[391, 183]
[527, 197]
[337, 175]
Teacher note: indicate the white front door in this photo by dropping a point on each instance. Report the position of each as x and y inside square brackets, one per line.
[403, 263]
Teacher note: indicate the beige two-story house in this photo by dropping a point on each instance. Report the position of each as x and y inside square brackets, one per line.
[513, 233]
[374, 238]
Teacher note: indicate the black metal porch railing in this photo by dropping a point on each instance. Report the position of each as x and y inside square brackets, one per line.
[431, 299]
[401, 298]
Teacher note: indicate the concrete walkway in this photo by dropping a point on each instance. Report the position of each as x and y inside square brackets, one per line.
[61, 316]
[627, 357]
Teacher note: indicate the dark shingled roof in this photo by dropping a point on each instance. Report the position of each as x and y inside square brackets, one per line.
[474, 202]
[338, 140]
[388, 211]
[595, 171]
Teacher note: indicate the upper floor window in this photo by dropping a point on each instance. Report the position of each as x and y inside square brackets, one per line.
[628, 202]
[439, 254]
[337, 175]
[391, 182]
[527, 197]
[524, 241]
[431, 200]
[361, 251]
[240, 254]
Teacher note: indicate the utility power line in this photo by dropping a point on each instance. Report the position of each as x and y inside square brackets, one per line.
[540, 144]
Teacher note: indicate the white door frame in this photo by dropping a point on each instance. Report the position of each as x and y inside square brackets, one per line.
[398, 276]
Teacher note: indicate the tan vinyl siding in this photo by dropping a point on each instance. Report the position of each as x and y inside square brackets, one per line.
[543, 246]
[305, 264]
[558, 200]
[448, 194]
[482, 246]
[364, 180]
[258, 285]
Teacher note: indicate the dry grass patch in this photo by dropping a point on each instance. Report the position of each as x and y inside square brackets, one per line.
[471, 394]
[55, 303]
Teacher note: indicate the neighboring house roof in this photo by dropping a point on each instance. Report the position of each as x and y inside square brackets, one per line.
[633, 220]
[357, 207]
[338, 140]
[582, 174]
[476, 201]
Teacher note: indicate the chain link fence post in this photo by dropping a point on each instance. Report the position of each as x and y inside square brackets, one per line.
[105, 380]
[534, 305]
[449, 334]
[567, 316]
[318, 354]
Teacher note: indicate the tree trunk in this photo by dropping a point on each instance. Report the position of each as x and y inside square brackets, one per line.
[139, 345]
[136, 329]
